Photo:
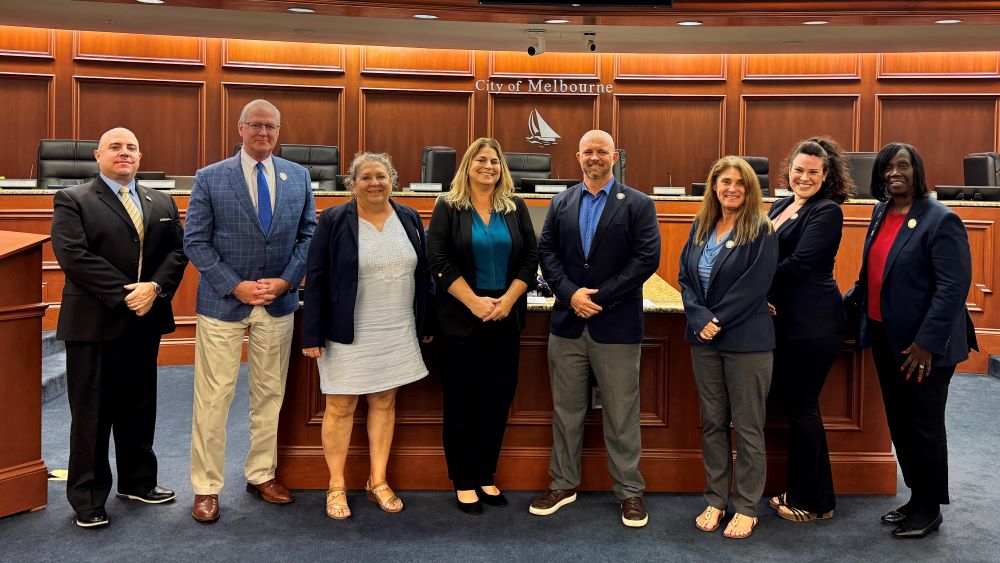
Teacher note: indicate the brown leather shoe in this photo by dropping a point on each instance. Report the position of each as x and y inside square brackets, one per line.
[634, 513]
[206, 508]
[272, 491]
[551, 500]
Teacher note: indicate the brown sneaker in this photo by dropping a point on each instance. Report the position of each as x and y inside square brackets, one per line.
[634, 513]
[272, 491]
[206, 508]
[551, 500]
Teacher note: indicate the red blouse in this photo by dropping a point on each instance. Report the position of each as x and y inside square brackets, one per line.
[877, 254]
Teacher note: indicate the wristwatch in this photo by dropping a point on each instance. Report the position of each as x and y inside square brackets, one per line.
[156, 287]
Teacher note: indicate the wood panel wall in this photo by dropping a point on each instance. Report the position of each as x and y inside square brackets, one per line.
[673, 114]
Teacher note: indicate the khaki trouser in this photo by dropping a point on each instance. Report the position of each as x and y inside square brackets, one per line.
[218, 345]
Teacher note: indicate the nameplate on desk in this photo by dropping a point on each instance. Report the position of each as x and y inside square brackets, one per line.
[537, 300]
[425, 187]
[550, 188]
[15, 184]
[158, 184]
[668, 190]
[781, 192]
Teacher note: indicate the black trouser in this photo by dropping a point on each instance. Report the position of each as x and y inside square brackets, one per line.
[800, 370]
[915, 412]
[111, 387]
[479, 381]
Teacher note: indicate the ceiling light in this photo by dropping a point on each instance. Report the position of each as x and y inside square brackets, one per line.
[556, 21]
[815, 22]
[689, 23]
[425, 16]
[302, 10]
[149, 1]
[948, 21]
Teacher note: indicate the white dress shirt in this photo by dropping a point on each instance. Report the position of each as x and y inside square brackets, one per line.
[250, 174]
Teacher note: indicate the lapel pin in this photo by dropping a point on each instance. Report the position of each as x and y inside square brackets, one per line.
[283, 176]
[794, 216]
[620, 195]
[730, 244]
[149, 198]
[912, 223]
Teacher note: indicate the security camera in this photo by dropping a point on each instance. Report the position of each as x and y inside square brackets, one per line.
[537, 45]
[589, 37]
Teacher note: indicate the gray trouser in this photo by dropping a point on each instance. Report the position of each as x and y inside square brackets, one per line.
[616, 367]
[733, 387]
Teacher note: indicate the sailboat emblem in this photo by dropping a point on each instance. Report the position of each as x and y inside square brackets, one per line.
[541, 133]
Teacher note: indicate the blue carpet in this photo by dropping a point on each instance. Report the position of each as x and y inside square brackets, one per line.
[432, 529]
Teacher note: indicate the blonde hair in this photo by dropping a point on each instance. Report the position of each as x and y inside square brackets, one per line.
[750, 218]
[460, 196]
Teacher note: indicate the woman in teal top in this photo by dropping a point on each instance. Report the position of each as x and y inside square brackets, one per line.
[482, 253]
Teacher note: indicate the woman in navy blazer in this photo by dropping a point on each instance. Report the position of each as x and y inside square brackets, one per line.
[483, 256]
[365, 302]
[809, 317]
[910, 298]
[725, 272]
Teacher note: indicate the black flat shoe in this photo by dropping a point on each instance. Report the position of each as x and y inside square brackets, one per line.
[894, 517]
[491, 500]
[907, 532]
[156, 495]
[473, 508]
[95, 519]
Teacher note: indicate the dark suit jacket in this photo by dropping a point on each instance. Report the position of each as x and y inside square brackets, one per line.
[97, 247]
[332, 274]
[449, 251]
[924, 285]
[625, 252]
[804, 292]
[737, 293]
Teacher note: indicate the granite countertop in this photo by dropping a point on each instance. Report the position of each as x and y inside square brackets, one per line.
[659, 295]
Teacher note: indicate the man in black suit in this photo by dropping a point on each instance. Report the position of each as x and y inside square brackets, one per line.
[120, 247]
[599, 245]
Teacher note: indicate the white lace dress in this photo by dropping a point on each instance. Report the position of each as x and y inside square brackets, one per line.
[385, 352]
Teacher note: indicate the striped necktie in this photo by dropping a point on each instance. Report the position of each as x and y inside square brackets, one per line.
[263, 199]
[133, 213]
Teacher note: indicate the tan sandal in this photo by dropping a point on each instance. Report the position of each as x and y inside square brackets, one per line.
[710, 519]
[798, 515]
[372, 491]
[337, 510]
[778, 501]
[740, 527]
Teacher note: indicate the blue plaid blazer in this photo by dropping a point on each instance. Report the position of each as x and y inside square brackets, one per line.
[224, 240]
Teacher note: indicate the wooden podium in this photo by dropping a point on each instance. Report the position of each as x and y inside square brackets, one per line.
[23, 484]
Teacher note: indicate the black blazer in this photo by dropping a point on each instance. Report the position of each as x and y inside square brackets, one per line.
[924, 285]
[737, 293]
[332, 274]
[449, 251]
[97, 248]
[804, 292]
[625, 252]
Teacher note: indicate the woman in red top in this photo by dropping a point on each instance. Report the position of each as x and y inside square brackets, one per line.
[910, 298]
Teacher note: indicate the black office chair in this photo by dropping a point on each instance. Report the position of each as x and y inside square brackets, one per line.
[619, 168]
[761, 167]
[860, 166]
[322, 162]
[66, 162]
[982, 169]
[437, 166]
[528, 165]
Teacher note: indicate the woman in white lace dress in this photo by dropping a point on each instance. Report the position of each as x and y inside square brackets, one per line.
[366, 284]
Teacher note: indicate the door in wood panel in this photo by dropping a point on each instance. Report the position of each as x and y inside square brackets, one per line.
[309, 116]
[28, 124]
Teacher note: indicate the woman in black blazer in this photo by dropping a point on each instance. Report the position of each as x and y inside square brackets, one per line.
[809, 317]
[725, 272]
[910, 298]
[482, 252]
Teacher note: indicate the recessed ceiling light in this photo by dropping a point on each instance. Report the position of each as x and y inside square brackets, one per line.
[149, 1]
[690, 23]
[948, 21]
[425, 16]
[815, 22]
[302, 10]
[556, 21]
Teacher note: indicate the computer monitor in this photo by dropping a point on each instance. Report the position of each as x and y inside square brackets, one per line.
[968, 193]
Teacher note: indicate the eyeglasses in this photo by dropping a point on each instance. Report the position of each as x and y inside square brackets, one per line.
[269, 127]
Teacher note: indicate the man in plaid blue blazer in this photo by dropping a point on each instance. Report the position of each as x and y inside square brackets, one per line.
[249, 222]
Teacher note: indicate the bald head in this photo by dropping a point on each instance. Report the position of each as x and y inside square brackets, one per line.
[118, 154]
[598, 136]
[597, 156]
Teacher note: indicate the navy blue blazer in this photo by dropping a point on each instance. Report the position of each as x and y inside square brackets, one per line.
[449, 251]
[625, 252]
[332, 274]
[924, 284]
[737, 293]
[804, 292]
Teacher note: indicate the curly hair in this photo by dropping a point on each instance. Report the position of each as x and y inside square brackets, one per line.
[365, 157]
[838, 186]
